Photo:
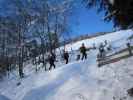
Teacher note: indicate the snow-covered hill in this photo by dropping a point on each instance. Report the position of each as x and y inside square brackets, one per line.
[117, 39]
[78, 80]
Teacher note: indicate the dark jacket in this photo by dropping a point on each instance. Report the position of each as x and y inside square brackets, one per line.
[51, 59]
[66, 55]
[83, 49]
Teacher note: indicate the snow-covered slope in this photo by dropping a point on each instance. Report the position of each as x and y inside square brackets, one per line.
[78, 80]
[115, 38]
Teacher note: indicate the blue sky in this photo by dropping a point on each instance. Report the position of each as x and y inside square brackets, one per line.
[84, 21]
[87, 21]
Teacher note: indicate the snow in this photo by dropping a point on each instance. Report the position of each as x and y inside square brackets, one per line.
[78, 80]
[2, 97]
[115, 38]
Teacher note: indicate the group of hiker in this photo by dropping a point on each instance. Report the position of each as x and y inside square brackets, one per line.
[52, 56]
[52, 59]
[103, 48]
[82, 55]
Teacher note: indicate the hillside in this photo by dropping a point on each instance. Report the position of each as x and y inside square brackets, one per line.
[88, 36]
[83, 37]
[117, 39]
[78, 80]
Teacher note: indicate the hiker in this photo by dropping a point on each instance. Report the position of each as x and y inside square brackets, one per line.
[83, 51]
[129, 48]
[107, 46]
[105, 42]
[101, 51]
[51, 60]
[54, 56]
[66, 56]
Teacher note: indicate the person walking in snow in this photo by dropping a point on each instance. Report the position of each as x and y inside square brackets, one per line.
[101, 50]
[83, 51]
[66, 56]
[129, 48]
[105, 42]
[52, 59]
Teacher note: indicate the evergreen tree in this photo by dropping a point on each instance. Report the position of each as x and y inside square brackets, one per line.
[119, 11]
